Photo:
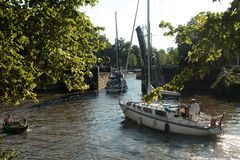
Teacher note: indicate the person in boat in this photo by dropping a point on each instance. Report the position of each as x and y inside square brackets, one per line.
[8, 120]
[182, 111]
[194, 110]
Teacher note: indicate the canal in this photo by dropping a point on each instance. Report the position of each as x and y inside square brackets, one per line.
[92, 126]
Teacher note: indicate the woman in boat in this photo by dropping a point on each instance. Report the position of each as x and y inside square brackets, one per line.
[194, 110]
[8, 120]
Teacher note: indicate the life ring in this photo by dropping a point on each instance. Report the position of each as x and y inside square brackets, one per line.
[166, 127]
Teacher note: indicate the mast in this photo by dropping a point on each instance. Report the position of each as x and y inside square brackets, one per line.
[149, 43]
[116, 42]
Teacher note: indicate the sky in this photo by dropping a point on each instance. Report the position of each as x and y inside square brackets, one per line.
[174, 11]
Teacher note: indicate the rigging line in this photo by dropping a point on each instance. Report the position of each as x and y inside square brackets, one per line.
[149, 41]
[132, 36]
[128, 53]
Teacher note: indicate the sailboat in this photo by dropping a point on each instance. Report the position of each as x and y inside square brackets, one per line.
[168, 114]
[116, 82]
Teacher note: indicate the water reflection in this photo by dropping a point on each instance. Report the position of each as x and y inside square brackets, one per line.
[92, 126]
[170, 145]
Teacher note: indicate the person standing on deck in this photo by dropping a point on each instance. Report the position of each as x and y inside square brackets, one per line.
[194, 110]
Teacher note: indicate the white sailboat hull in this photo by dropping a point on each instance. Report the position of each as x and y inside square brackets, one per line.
[179, 126]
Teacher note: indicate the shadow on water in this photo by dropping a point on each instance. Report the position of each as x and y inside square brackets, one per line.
[114, 95]
[64, 98]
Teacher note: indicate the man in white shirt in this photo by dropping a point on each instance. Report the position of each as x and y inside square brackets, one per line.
[194, 110]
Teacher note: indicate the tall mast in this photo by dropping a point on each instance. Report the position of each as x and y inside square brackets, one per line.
[116, 41]
[149, 41]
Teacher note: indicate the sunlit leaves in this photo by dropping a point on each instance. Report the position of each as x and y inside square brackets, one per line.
[167, 25]
[7, 155]
[228, 83]
[44, 42]
[188, 41]
[176, 84]
[205, 39]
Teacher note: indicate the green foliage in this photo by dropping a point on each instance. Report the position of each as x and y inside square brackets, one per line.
[135, 50]
[228, 83]
[132, 60]
[167, 58]
[207, 38]
[7, 155]
[161, 56]
[135, 59]
[124, 48]
[167, 25]
[173, 53]
[177, 84]
[228, 78]
[50, 38]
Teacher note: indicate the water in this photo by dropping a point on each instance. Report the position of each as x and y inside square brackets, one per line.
[92, 126]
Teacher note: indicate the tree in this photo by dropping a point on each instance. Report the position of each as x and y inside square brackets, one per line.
[135, 59]
[208, 37]
[50, 38]
[228, 83]
[106, 53]
[160, 56]
[137, 53]
[174, 56]
[132, 60]
[124, 47]
[166, 58]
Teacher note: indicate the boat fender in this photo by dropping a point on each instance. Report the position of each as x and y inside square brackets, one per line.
[166, 127]
[140, 121]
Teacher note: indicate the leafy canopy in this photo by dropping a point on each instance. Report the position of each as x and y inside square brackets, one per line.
[50, 39]
[207, 37]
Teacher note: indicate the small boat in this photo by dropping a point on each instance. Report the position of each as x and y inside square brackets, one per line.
[116, 83]
[15, 128]
[171, 116]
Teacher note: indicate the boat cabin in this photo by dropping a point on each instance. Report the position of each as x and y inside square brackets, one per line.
[169, 97]
[160, 110]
